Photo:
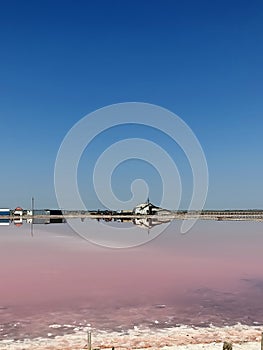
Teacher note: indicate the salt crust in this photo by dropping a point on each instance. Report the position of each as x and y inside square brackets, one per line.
[177, 338]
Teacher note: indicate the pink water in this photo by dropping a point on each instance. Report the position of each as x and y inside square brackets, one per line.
[212, 274]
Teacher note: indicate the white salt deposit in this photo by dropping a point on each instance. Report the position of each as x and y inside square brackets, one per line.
[178, 338]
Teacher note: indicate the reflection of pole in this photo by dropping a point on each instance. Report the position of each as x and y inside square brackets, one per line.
[89, 340]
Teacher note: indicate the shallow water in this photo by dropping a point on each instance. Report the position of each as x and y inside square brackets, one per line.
[212, 274]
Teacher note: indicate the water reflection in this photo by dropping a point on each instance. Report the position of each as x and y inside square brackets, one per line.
[147, 223]
[150, 223]
[142, 223]
[212, 275]
[35, 221]
[114, 232]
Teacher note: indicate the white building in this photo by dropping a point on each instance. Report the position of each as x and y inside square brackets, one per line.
[145, 209]
[149, 209]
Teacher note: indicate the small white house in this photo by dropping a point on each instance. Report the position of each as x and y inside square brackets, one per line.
[18, 211]
[145, 209]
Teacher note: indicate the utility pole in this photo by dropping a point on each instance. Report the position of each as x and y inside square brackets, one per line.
[32, 205]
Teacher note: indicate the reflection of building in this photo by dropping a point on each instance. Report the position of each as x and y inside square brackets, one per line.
[149, 223]
[45, 221]
[4, 213]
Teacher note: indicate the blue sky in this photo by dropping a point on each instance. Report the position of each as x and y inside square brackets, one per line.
[61, 60]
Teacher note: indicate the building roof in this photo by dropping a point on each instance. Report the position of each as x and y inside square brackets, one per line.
[18, 209]
[144, 205]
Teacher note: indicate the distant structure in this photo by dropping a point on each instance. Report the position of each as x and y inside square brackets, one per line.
[145, 209]
[44, 216]
[149, 209]
[5, 213]
[18, 216]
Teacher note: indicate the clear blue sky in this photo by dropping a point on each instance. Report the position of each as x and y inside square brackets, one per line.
[60, 60]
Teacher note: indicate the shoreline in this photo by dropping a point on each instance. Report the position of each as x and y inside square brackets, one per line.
[181, 338]
[222, 216]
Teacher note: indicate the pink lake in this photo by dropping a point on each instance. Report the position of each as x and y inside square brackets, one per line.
[213, 274]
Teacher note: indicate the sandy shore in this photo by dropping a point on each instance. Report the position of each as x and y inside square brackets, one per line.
[181, 338]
